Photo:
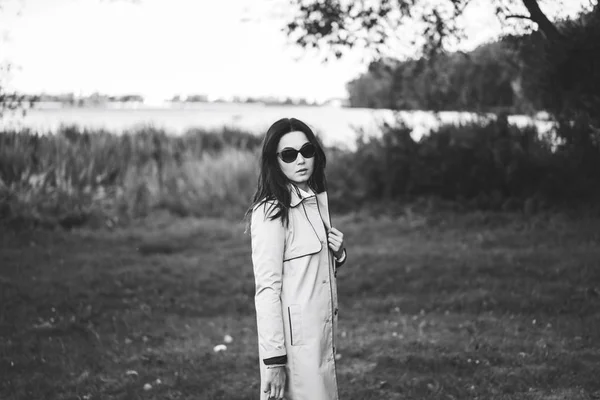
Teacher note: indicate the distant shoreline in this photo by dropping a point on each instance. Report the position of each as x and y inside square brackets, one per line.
[335, 125]
[53, 105]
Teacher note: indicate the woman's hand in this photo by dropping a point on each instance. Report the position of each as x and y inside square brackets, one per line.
[275, 382]
[336, 242]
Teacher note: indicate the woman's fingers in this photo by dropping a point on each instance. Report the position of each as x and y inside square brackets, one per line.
[272, 389]
[335, 239]
[276, 391]
[334, 244]
[336, 251]
[275, 385]
[336, 231]
[336, 236]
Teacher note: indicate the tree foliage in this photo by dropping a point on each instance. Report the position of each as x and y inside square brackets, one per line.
[342, 24]
[485, 79]
[10, 101]
[565, 77]
[555, 68]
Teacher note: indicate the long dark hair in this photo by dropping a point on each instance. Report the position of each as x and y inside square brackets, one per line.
[272, 183]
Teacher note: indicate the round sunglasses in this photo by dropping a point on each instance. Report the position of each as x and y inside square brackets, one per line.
[289, 154]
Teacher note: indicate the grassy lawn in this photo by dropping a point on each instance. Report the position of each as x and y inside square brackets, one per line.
[431, 307]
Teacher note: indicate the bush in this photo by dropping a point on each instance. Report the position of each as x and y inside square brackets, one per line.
[77, 176]
[489, 165]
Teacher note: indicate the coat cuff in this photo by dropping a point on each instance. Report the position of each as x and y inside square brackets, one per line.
[280, 360]
[274, 353]
[342, 259]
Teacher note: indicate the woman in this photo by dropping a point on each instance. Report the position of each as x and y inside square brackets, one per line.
[295, 253]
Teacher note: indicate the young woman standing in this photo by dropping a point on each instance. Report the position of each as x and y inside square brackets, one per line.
[295, 254]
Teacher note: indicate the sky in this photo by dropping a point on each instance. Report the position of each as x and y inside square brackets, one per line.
[162, 48]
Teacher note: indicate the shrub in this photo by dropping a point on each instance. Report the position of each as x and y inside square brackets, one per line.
[77, 176]
[490, 165]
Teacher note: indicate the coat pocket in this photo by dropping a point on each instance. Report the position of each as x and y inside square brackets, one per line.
[295, 321]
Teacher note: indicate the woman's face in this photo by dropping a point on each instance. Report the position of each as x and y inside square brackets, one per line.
[300, 170]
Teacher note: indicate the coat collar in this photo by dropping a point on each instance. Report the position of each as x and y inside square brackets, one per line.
[297, 196]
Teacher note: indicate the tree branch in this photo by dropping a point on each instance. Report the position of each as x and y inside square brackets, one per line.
[518, 16]
[545, 25]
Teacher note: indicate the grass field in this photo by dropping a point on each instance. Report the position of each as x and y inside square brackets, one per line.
[443, 306]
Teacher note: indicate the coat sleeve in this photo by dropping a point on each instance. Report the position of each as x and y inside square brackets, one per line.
[268, 239]
[342, 259]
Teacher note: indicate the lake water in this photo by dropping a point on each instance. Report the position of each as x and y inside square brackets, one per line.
[335, 125]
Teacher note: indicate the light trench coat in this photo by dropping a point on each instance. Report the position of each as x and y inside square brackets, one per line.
[296, 296]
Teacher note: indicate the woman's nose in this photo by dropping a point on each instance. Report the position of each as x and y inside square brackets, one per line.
[300, 159]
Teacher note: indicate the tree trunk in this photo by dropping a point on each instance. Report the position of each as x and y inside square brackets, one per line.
[545, 25]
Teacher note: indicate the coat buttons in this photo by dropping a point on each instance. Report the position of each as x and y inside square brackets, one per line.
[335, 312]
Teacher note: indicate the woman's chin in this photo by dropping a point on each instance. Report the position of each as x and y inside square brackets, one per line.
[300, 182]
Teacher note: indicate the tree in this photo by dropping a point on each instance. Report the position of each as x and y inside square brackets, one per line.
[9, 101]
[482, 80]
[342, 24]
[560, 59]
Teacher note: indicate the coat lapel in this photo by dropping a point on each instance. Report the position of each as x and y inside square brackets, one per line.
[303, 240]
[323, 203]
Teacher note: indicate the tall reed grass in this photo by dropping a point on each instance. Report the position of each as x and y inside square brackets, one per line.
[78, 174]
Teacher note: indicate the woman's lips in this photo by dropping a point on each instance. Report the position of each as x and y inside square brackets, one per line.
[301, 171]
